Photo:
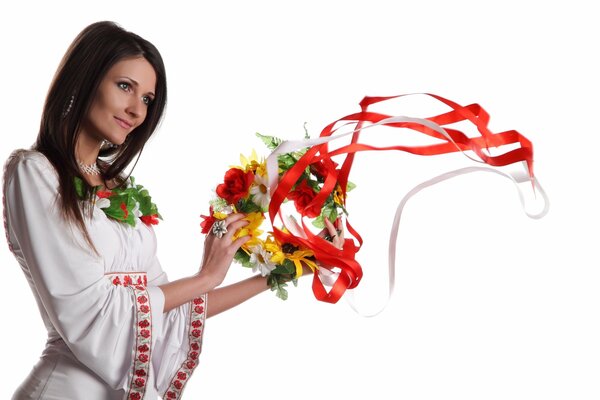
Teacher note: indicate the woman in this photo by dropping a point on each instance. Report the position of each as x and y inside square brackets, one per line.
[117, 328]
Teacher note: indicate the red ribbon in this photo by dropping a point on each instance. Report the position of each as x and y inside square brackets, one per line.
[328, 255]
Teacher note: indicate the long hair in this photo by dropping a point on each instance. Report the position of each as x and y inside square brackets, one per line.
[87, 60]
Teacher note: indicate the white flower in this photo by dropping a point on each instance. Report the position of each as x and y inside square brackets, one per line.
[102, 202]
[260, 191]
[261, 261]
[136, 210]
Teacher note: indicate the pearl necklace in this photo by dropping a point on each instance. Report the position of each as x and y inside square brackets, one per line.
[91, 169]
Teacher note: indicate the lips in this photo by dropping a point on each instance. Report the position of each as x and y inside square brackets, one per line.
[123, 123]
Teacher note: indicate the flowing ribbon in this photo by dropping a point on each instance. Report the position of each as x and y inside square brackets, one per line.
[347, 269]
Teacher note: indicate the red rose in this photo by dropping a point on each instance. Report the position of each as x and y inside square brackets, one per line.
[235, 185]
[143, 348]
[150, 219]
[322, 168]
[135, 396]
[145, 333]
[171, 395]
[140, 372]
[198, 300]
[197, 323]
[199, 309]
[142, 299]
[144, 308]
[182, 376]
[116, 281]
[178, 384]
[195, 346]
[193, 355]
[190, 364]
[302, 195]
[143, 358]
[127, 280]
[139, 382]
[196, 333]
[144, 323]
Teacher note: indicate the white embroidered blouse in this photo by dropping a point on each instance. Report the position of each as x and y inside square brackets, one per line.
[108, 337]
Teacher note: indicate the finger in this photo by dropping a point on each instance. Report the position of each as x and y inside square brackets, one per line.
[330, 228]
[234, 217]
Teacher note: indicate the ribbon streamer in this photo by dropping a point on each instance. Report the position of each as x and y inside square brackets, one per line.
[449, 140]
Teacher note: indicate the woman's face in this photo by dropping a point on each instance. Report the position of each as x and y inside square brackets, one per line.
[121, 102]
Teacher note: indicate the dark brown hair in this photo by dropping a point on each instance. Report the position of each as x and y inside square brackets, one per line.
[93, 52]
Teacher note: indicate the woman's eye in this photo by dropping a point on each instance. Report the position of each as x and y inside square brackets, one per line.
[124, 85]
[147, 100]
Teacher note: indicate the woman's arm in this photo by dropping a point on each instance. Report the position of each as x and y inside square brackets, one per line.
[226, 297]
[218, 256]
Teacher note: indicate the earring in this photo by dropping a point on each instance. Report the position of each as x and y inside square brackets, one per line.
[68, 106]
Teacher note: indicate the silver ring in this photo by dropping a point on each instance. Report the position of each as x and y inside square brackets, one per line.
[219, 228]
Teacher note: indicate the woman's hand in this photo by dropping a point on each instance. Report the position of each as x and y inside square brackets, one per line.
[219, 252]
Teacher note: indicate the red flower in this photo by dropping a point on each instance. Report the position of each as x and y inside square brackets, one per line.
[139, 382]
[150, 219]
[104, 194]
[235, 186]
[116, 281]
[322, 168]
[143, 348]
[198, 300]
[193, 355]
[190, 364]
[143, 358]
[196, 332]
[208, 221]
[199, 309]
[182, 376]
[135, 396]
[124, 208]
[178, 384]
[195, 346]
[302, 195]
[144, 323]
[197, 323]
[144, 309]
[171, 395]
[142, 299]
[127, 280]
[145, 333]
[140, 372]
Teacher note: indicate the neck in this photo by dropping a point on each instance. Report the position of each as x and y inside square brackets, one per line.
[87, 149]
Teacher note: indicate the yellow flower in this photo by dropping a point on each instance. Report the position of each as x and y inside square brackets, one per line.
[219, 215]
[297, 257]
[252, 163]
[255, 220]
[338, 196]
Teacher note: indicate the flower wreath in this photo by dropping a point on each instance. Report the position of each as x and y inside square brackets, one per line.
[124, 204]
[245, 189]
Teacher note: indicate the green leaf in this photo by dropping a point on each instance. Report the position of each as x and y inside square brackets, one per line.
[350, 186]
[318, 222]
[270, 141]
[78, 187]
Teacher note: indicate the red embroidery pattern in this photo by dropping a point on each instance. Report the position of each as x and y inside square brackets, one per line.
[143, 332]
[196, 330]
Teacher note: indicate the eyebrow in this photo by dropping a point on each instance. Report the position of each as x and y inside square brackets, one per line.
[135, 83]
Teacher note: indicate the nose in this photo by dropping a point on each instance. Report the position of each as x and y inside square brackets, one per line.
[135, 108]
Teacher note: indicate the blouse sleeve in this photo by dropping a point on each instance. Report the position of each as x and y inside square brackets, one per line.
[178, 342]
[118, 331]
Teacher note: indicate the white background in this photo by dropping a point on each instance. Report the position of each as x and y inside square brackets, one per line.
[489, 304]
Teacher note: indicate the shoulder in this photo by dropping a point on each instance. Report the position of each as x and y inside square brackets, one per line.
[33, 163]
